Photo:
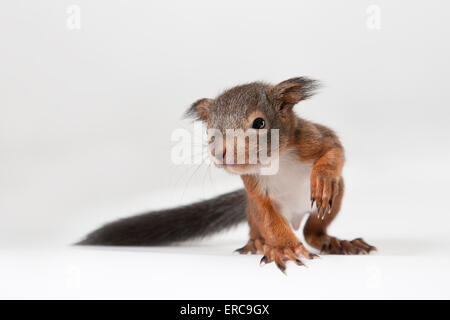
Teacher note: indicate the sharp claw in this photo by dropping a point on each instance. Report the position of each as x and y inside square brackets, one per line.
[318, 209]
[263, 261]
[323, 211]
[299, 262]
[313, 256]
[282, 268]
[312, 203]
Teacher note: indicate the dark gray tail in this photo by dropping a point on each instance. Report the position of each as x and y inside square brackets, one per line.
[173, 225]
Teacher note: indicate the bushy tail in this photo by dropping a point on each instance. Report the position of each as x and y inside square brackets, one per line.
[163, 227]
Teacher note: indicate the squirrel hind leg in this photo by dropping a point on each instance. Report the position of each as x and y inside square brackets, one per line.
[316, 235]
[331, 245]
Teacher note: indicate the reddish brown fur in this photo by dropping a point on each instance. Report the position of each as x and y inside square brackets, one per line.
[270, 232]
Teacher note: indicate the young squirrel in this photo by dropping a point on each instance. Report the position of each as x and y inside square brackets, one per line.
[308, 181]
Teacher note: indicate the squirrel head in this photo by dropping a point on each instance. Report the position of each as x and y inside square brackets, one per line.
[251, 108]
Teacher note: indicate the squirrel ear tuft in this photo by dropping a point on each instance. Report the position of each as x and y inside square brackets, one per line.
[290, 92]
[199, 109]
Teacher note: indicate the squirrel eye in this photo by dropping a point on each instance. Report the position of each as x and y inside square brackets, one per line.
[258, 123]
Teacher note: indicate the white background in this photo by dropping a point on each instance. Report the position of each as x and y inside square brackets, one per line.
[86, 118]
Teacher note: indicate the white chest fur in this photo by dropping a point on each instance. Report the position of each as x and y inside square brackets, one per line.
[289, 188]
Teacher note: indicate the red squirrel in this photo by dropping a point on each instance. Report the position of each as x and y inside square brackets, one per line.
[308, 181]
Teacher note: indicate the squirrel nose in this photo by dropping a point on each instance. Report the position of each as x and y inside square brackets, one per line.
[220, 154]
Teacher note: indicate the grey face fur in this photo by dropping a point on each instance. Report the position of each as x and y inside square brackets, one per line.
[232, 109]
[236, 108]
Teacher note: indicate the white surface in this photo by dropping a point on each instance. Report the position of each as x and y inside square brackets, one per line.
[86, 118]
[412, 262]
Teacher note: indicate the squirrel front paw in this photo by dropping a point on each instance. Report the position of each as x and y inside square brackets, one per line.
[281, 254]
[253, 246]
[324, 189]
